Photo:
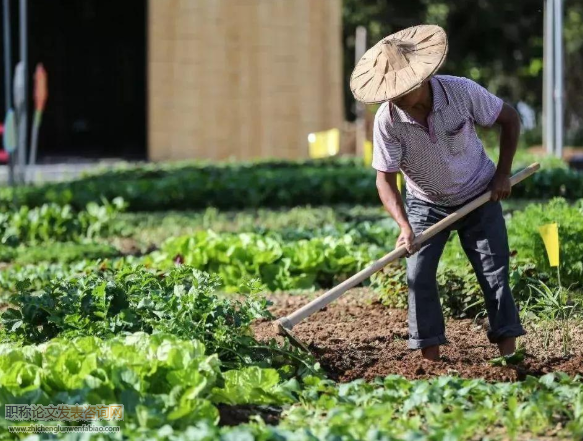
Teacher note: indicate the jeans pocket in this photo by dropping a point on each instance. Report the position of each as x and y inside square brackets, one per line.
[418, 214]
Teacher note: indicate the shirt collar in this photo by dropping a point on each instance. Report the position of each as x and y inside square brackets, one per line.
[440, 95]
[440, 100]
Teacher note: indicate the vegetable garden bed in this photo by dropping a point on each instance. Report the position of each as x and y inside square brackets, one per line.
[167, 313]
[357, 337]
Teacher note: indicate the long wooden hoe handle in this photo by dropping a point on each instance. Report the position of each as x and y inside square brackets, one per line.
[315, 305]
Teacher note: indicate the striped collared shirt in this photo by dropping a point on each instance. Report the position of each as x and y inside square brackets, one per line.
[444, 163]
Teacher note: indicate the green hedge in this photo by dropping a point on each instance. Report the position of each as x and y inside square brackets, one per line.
[227, 187]
[241, 185]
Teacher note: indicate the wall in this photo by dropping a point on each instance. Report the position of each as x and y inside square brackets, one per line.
[242, 78]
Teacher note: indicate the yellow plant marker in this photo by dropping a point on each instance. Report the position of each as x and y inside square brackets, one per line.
[368, 147]
[368, 153]
[550, 235]
[324, 144]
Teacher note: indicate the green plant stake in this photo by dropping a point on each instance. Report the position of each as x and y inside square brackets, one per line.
[10, 140]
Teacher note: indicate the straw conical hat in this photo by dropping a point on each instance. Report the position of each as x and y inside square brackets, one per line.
[399, 63]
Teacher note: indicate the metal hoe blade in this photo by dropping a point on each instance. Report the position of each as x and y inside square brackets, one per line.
[285, 332]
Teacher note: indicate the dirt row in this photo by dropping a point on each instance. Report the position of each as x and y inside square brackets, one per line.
[356, 337]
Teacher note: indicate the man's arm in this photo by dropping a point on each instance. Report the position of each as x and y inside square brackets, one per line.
[391, 199]
[509, 122]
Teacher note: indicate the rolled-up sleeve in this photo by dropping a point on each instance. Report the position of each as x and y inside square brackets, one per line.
[483, 106]
[387, 149]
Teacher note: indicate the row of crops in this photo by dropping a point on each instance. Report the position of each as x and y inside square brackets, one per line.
[251, 185]
[104, 303]
[325, 246]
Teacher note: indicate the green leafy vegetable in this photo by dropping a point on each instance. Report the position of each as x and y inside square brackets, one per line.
[54, 223]
[279, 264]
[182, 302]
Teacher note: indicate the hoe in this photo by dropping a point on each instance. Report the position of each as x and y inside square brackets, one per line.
[284, 325]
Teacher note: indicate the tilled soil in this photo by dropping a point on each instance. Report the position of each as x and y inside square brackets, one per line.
[356, 337]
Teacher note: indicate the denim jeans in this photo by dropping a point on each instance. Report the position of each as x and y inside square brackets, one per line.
[484, 239]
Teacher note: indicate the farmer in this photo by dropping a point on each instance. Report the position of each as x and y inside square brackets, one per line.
[425, 127]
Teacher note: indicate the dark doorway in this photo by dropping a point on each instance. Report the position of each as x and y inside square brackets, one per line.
[94, 52]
